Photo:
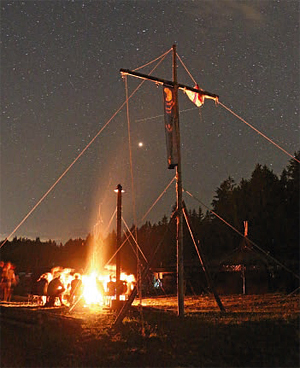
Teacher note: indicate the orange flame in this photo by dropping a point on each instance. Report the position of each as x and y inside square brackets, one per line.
[95, 288]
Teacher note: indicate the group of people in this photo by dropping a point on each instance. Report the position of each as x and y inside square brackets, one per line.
[8, 280]
[52, 286]
[55, 289]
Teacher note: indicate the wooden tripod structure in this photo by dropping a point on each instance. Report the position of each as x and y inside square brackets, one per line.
[179, 206]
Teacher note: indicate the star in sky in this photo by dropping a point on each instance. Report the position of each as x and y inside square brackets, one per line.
[61, 84]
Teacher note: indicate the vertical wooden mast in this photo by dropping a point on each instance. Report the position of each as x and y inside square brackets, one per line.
[179, 215]
[179, 209]
[118, 245]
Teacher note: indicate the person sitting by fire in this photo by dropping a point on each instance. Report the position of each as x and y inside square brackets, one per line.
[55, 290]
[42, 288]
[76, 289]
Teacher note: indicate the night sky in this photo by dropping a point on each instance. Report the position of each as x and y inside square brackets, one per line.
[61, 83]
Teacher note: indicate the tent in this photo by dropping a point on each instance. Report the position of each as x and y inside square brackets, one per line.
[244, 271]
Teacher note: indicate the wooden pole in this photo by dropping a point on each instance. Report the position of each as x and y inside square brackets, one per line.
[201, 259]
[118, 245]
[134, 292]
[179, 235]
[179, 211]
[244, 279]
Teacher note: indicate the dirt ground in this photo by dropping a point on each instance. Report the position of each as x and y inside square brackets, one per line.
[254, 331]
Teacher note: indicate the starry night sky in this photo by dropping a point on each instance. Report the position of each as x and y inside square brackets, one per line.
[61, 83]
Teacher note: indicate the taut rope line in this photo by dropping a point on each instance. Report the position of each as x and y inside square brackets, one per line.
[150, 62]
[158, 198]
[244, 121]
[136, 243]
[130, 151]
[161, 115]
[242, 235]
[163, 192]
[59, 179]
[139, 278]
[192, 78]
[77, 158]
[257, 131]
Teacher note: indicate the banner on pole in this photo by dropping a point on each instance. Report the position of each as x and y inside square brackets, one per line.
[170, 126]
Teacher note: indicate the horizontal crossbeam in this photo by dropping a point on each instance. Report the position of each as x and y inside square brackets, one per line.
[169, 83]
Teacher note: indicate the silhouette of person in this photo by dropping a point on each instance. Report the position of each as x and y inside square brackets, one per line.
[8, 280]
[76, 289]
[42, 288]
[111, 287]
[55, 290]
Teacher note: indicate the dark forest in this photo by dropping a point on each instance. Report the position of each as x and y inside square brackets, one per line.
[269, 203]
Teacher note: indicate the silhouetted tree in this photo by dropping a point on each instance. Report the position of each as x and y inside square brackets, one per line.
[290, 212]
[269, 204]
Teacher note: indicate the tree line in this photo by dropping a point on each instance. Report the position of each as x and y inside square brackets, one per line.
[269, 203]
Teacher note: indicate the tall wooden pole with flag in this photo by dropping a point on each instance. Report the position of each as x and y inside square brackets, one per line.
[179, 215]
[171, 112]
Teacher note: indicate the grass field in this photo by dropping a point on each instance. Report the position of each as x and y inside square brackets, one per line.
[255, 331]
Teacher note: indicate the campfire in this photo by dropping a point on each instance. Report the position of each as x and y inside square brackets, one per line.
[96, 288]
